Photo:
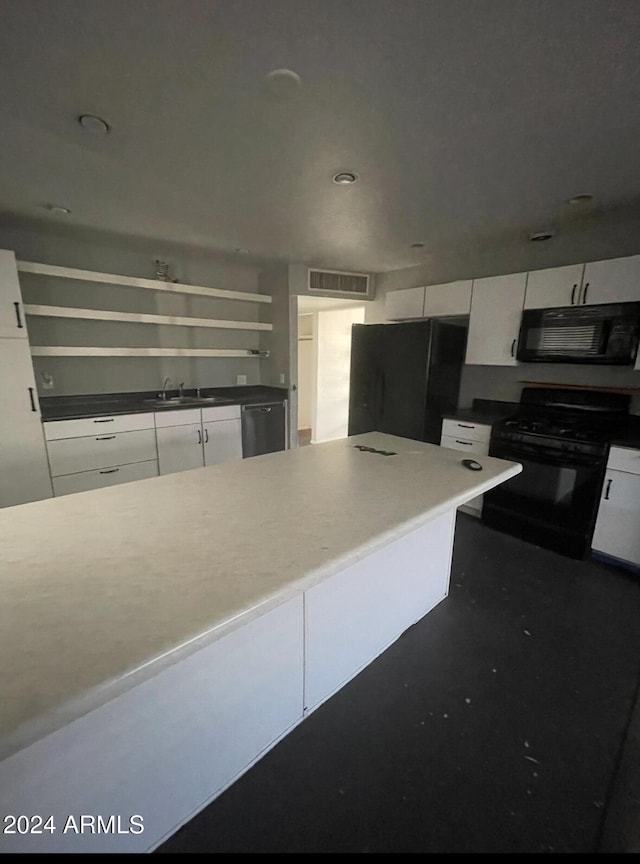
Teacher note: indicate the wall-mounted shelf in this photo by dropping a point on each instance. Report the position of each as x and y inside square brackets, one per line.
[141, 318]
[134, 282]
[81, 351]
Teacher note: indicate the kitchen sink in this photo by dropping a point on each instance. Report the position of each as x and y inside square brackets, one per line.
[175, 401]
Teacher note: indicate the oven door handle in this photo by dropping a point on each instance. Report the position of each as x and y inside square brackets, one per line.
[541, 458]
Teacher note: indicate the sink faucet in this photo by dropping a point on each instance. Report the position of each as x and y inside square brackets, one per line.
[163, 392]
[181, 389]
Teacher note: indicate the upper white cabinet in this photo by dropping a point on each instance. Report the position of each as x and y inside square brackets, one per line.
[614, 281]
[452, 298]
[24, 473]
[403, 304]
[557, 286]
[494, 323]
[11, 312]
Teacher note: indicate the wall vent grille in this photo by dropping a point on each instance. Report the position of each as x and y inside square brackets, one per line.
[338, 282]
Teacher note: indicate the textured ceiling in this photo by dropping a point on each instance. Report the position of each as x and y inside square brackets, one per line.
[470, 123]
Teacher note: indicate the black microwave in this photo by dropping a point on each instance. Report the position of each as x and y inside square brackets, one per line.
[606, 334]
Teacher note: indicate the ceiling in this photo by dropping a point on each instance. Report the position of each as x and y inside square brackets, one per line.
[469, 123]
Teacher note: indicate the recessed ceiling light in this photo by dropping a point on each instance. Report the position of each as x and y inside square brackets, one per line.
[585, 198]
[345, 178]
[283, 83]
[539, 236]
[95, 125]
[57, 209]
[416, 246]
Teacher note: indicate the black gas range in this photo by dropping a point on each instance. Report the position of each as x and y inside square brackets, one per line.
[561, 438]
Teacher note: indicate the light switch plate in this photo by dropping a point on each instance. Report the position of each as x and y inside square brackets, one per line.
[282, 378]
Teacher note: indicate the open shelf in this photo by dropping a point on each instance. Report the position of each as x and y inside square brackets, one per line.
[141, 318]
[81, 351]
[134, 282]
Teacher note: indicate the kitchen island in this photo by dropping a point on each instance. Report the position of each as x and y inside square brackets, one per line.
[159, 637]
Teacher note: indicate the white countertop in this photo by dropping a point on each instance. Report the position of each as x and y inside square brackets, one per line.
[102, 589]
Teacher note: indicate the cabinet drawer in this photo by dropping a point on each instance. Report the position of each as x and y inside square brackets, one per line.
[624, 459]
[86, 480]
[106, 425]
[71, 455]
[480, 448]
[177, 418]
[468, 431]
[221, 412]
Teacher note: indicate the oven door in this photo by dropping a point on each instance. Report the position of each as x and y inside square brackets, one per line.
[553, 502]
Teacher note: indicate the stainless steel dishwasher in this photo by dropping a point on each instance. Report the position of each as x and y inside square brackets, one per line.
[264, 428]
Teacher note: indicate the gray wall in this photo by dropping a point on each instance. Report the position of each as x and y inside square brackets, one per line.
[121, 255]
[584, 241]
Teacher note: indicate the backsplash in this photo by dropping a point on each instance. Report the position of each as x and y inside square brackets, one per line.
[505, 383]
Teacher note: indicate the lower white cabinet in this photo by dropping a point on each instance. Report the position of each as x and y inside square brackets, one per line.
[24, 473]
[454, 437]
[617, 531]
[195, 438]
[118, 450]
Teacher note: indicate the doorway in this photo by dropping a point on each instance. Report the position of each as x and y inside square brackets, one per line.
[324, 358]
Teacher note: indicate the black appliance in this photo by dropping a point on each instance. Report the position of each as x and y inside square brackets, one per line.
[404, 377]
[263, 428]
[606, 335]
[561, 438]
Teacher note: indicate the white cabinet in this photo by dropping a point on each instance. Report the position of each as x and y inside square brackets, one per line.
[12, 324]
[403, 304]
[222, 441]
[452, 298]
[471, 438]
[557, 286]
[92, 452]
[614, 281]
[24, 473]
[494, 323]
[179, 447]
[195, 437]
[617, 531]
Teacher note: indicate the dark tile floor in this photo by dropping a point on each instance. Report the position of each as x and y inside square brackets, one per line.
[495, 724]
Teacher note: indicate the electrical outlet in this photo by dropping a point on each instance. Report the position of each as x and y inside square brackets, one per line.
[241, 379]
[282, 377]
[47, 381]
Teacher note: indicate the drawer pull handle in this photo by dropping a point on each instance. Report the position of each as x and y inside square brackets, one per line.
[33, 401]
[110, 471]
[466, 443]
[606, 494]
[108, 420]
[466, 426]
[18, 318]
[106, 438]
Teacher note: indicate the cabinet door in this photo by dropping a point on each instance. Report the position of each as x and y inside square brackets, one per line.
[494, 323]
[222, 441]
[406, 303]
[180, 448]
[615, 281]
[616, 532]
[11, 312]
[557, 286]
[453, 298]
[24, 472]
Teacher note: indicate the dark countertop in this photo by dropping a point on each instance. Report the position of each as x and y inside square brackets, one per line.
[483, 411]
[93, 405]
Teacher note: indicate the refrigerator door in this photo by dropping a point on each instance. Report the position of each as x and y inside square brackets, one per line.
[405, 352]
[448, 344]
[365, 380]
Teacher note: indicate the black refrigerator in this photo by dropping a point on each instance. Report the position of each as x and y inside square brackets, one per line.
[404, 377]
